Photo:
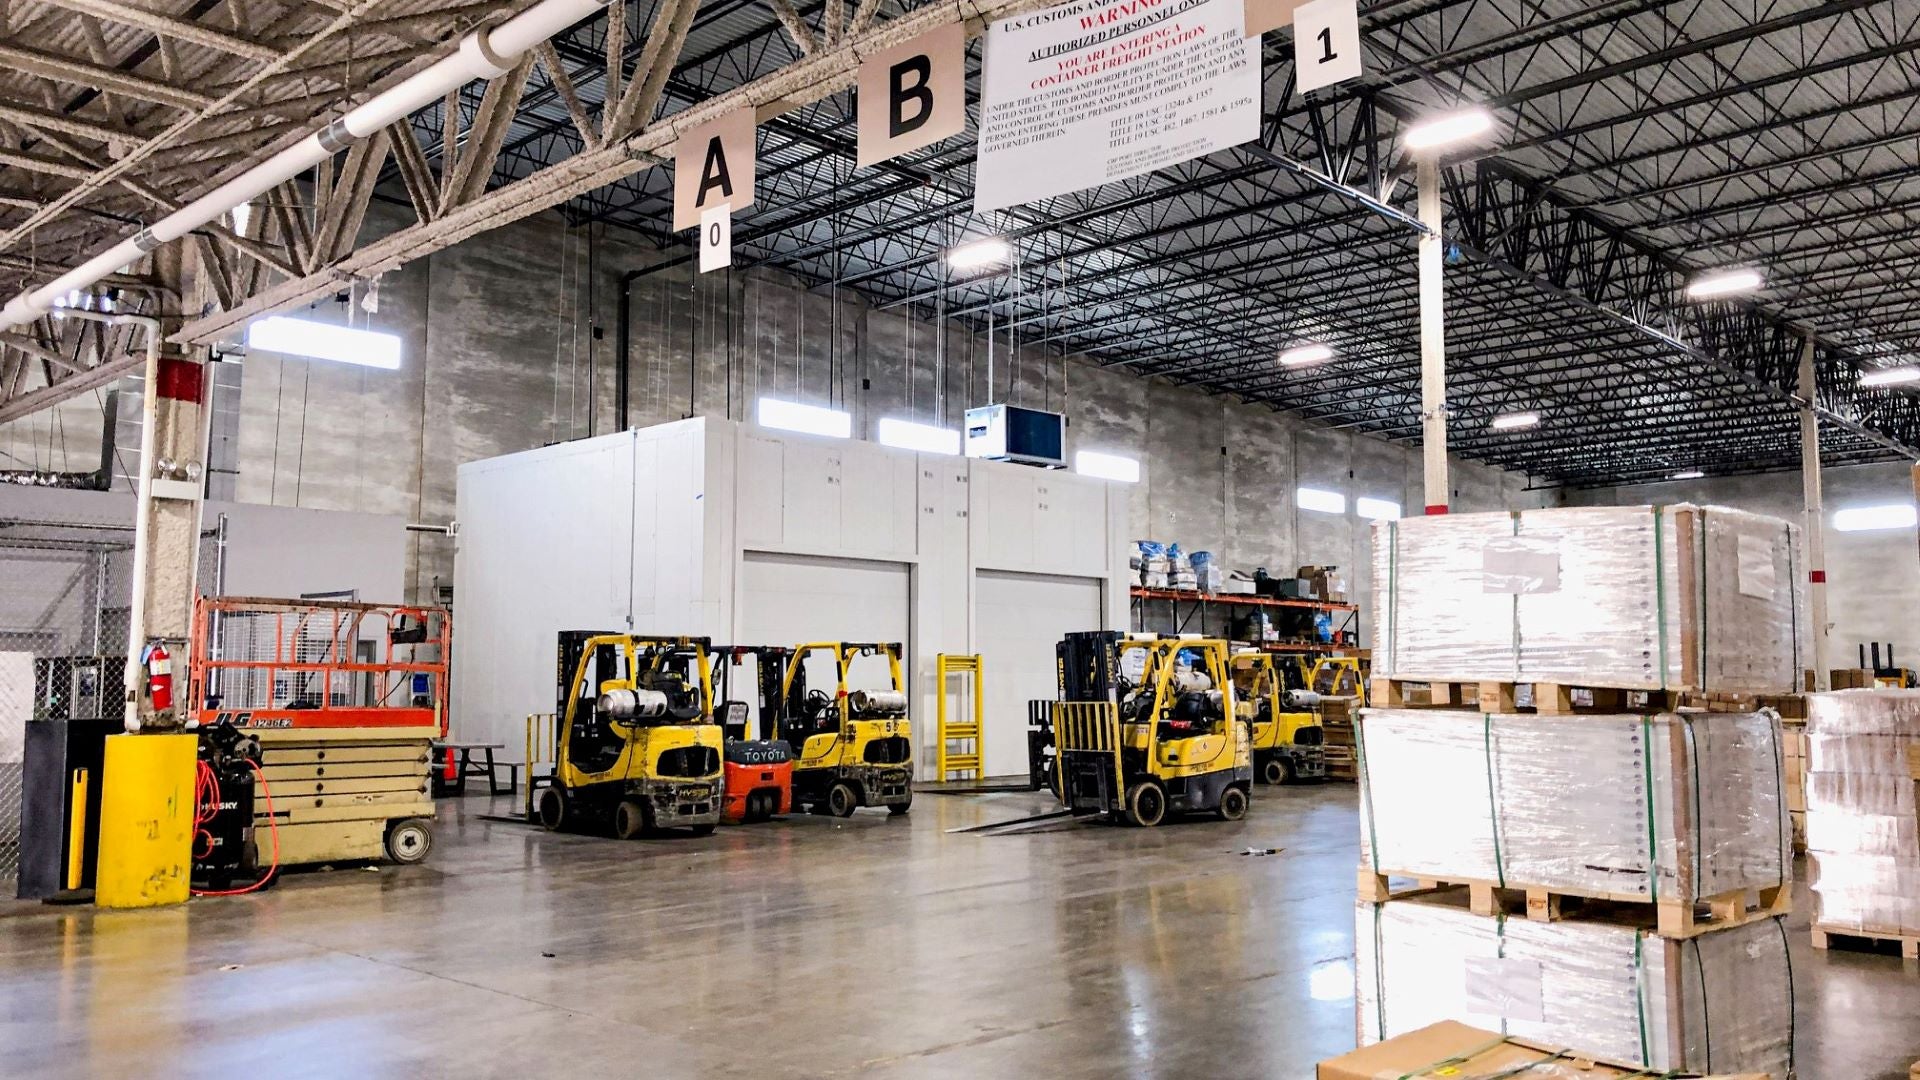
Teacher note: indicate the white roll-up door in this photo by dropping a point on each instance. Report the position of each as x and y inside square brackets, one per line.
[1018, 619]
[793, 599]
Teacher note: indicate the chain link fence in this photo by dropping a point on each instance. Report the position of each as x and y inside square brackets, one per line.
[66, 594]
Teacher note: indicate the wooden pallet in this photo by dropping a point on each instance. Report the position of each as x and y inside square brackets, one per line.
[1505, 697]
[1824, 935]
[1671, 919]
[1554, 699]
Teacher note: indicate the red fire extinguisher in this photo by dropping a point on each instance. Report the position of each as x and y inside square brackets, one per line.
[159, 676]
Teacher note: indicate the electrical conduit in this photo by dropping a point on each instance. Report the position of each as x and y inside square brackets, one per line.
[483, 54]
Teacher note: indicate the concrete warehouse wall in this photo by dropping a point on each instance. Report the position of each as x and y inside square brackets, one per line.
[1873, 578]
[501, 357]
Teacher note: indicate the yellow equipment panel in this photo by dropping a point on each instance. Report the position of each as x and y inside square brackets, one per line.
[146, 820]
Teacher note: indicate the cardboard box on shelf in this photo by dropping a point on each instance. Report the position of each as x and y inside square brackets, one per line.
[1460, 1052]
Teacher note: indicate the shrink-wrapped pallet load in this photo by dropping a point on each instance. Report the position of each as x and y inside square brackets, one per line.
[1863, 841]
[1646, 597]
[1716, 1002]
[1667, 809]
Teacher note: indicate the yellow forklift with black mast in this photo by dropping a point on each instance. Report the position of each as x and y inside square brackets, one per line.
[1146, 726]
[855, 746]
[1288, 741]
[636, 745]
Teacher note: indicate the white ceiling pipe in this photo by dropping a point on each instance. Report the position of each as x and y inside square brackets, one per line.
[483, 54]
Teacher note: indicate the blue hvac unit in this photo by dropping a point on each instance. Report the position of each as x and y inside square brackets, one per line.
[1011, 433]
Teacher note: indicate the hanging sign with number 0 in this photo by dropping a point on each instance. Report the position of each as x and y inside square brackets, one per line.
[716, 238]
[1326, 42]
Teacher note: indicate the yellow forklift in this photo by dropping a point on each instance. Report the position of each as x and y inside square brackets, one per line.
[1288, 741]
[636, 747]
[855, 746]
[1146, 726]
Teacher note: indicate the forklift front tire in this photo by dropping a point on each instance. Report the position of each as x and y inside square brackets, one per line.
[1276, 771]
[1233, 804]
[553, 808]
[842, 800]
[1146, 804]
[631, 819]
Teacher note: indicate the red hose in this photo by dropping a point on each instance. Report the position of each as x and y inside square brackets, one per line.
[273, 825]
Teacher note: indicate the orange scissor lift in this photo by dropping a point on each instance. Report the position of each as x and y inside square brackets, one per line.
[345, 699]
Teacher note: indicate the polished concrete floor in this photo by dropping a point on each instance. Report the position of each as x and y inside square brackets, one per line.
[808, 948]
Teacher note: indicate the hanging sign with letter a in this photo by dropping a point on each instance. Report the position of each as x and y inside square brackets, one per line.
[713, 166]
[912, 95]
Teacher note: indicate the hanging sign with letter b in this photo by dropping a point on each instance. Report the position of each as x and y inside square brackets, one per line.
[713, 166]
[912, 95]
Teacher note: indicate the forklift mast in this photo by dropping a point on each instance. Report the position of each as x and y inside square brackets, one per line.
[1089, 665]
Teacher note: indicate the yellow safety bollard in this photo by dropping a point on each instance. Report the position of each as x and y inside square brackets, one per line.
[146, 821]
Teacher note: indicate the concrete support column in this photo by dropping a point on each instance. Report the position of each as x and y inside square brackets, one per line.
[166, 547]
[1433, 340]
[1815, 524]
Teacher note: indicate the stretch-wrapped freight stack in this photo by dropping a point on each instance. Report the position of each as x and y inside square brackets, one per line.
[1863, 839]
[1578, 852]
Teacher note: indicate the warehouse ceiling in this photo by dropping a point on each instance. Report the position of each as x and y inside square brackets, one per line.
[1639, 142]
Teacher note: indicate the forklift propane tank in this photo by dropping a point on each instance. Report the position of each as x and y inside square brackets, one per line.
[868, 702]
[633, 704]
[1191, 682]
[1301, 699]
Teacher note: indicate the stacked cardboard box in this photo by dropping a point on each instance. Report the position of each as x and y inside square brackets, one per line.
[1610, 989]
[1456, 1051]
[1863, 839]
[1665, 809]
[1793, 736]
[1649, 852]
[1646, 597]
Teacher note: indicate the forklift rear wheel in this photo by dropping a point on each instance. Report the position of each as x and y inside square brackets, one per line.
[553, 809]
[842, 800]
[1146, 804]
[1276, 771]
[896, 809]
[409, 840]
[700, 830]
[1233, 804]
[632, 819]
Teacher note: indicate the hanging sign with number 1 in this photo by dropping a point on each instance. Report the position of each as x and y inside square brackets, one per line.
[1326, 43]
[716, 238]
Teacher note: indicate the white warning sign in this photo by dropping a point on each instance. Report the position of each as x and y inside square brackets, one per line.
[1100, 90]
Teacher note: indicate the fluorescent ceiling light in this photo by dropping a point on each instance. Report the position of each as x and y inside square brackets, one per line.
[1326, 502]
[1869, 518]
[1449, 129]
[1106, 466]
[242, 214]
[979, 253]
[1893, 376]
[325, 341]
[1718, 283]
[1515, 420]
[1302, 355]
[811, 419]
[1377, 509]
[1688, 474]
[924, 438]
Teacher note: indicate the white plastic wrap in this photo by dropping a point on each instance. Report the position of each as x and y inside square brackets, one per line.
[1642, 597]
[1863, 854]
[1673, 807]
[1718, 1002]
